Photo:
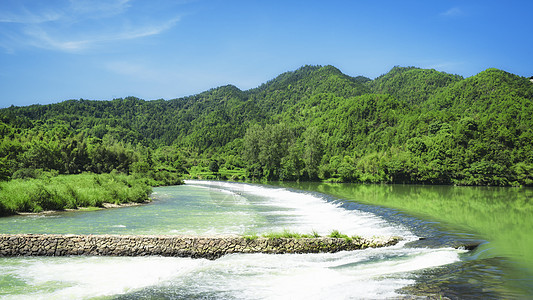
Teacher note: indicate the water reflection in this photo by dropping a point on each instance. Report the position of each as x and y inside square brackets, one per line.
[444, 217]
[474, 279]
[503, 217]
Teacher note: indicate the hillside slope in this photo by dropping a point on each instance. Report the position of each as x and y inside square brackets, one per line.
[410, 125]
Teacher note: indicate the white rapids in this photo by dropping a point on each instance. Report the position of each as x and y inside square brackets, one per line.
[363, 274]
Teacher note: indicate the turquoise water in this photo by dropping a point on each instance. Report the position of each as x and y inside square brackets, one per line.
[175, 210]
[503, 217]
[207, 208]
[220, 208]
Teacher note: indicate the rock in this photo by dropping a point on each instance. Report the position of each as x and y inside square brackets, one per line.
[195, 247]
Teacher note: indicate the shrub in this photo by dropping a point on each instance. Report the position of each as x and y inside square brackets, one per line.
[338, 235]
[70, 192]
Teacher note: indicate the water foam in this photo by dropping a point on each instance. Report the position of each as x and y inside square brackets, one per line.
[305, 212]
[87, 277]
[365, 274]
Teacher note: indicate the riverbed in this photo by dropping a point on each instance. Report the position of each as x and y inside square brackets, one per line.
[424, 263]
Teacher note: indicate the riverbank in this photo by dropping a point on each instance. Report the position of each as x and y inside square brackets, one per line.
[71, 192]
[209, 247]
[84, 209]
[425, 258]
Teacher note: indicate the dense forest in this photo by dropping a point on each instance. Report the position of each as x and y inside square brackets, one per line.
[409, 125]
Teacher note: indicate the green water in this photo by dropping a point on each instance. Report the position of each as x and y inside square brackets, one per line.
[175, 210]
[502, 267]
[501, 216]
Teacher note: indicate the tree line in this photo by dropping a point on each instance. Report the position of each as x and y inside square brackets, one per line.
[410, 125]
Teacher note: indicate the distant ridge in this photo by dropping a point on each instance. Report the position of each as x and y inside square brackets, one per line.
[409, 125]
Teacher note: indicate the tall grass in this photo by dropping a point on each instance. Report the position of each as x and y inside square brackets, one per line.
[71, 191]
[295, 235]
[289, 234]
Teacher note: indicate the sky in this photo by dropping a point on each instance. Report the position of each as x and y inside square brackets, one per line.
[55, 50]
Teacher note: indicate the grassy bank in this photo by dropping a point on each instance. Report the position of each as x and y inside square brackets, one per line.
[71, 192]
[295, 235]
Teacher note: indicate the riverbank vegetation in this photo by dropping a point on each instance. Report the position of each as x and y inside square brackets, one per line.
[71, 192]
[287, 234]
[410, 125]
[290, 235]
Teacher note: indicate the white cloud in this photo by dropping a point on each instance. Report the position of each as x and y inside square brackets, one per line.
[81, 25]
[145, 30]
[444, 66]
[40, 38]
[453, 12]
[63, 41]
[29, 18]
[133, 70]
[98, 8]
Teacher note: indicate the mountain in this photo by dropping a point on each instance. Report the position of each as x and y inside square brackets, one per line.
[411, 84]
[409, 125]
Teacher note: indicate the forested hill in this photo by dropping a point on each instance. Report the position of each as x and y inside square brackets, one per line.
[410, 125]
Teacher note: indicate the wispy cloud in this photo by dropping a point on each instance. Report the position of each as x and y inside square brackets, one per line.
[22, 15]
[38, 37]
[29, 18]
[91, 10]
[41, 38]
[136, 70]
[99, 7]
[444, 65]
[453, 12]
[77, 25]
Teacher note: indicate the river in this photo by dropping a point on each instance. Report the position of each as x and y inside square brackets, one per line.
[431, 220]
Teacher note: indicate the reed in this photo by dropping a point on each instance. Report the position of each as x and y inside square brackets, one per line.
[338, 235]
[295, 235]
[71, 192]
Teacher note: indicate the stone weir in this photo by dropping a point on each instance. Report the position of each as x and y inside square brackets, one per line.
[180, 246]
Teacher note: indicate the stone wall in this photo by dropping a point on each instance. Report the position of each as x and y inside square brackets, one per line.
[180, 246]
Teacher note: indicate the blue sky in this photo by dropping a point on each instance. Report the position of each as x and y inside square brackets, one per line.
[57, 50]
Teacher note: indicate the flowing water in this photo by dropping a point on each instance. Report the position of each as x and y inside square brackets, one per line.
[424, 263]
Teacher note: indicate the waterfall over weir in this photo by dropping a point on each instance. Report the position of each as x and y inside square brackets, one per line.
[222, 208]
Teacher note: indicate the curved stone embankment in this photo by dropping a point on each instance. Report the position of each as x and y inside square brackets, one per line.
[179, 246]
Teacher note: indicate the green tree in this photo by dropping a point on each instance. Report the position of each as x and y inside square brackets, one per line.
[313, 151]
